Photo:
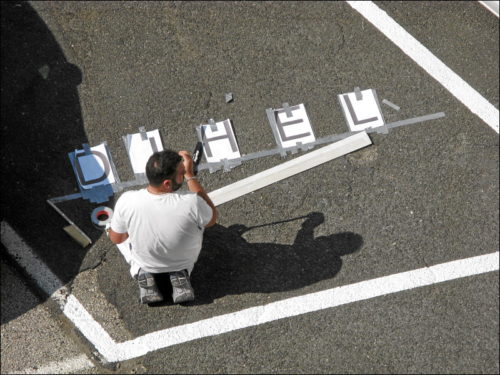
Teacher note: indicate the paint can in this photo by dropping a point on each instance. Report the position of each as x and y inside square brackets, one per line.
[101, 216]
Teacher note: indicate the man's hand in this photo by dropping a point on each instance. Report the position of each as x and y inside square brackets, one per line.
[188, 163]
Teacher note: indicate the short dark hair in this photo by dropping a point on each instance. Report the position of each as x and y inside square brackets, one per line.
[162, 166]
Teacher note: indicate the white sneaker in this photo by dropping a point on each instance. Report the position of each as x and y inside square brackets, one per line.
[148, 290]
[182, 291]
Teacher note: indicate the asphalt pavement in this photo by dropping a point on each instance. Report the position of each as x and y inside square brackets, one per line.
[421, 195]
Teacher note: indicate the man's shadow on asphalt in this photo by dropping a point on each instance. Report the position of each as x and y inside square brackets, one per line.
[228, 264]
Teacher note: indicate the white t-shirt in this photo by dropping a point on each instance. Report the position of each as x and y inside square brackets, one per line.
[165, 230]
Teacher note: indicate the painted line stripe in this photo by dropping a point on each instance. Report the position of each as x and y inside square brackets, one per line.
[430, 63]
[90, 328]
[492, 6]
[33, 265]
[305, 304]
[67, 366]
[290, 168]
[113, 352]
[53, 286]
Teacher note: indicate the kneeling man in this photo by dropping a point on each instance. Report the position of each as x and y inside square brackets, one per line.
[160, 230]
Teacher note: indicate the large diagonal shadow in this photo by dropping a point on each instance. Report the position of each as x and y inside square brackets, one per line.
[41, 122]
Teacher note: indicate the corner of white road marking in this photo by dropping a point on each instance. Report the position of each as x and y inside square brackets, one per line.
[307, 303]
[90, 328]
[34, 266]
[451, 81]
[114, 352]
[492, 6]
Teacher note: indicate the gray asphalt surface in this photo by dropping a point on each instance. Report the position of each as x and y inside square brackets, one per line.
[421, 195]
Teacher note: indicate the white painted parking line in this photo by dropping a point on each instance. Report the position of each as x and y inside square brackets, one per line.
[476, 103]
[34, 266]
[113, 352]
[68, 366]
[305, 304]
[91, 329]
[492, 6]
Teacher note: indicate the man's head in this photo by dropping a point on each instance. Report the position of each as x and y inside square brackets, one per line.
[165, 170]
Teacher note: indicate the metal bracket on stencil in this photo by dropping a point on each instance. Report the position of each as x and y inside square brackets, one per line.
[144, 134]
[271, 116]
[288, 111]
[358, 94]
[213, 125]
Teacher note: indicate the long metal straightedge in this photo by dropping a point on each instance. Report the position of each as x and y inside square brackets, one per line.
[289, 168]
[142, 180]
[319, 141]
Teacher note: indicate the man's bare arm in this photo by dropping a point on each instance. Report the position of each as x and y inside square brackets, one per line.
[115, 237]
[195, 186]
